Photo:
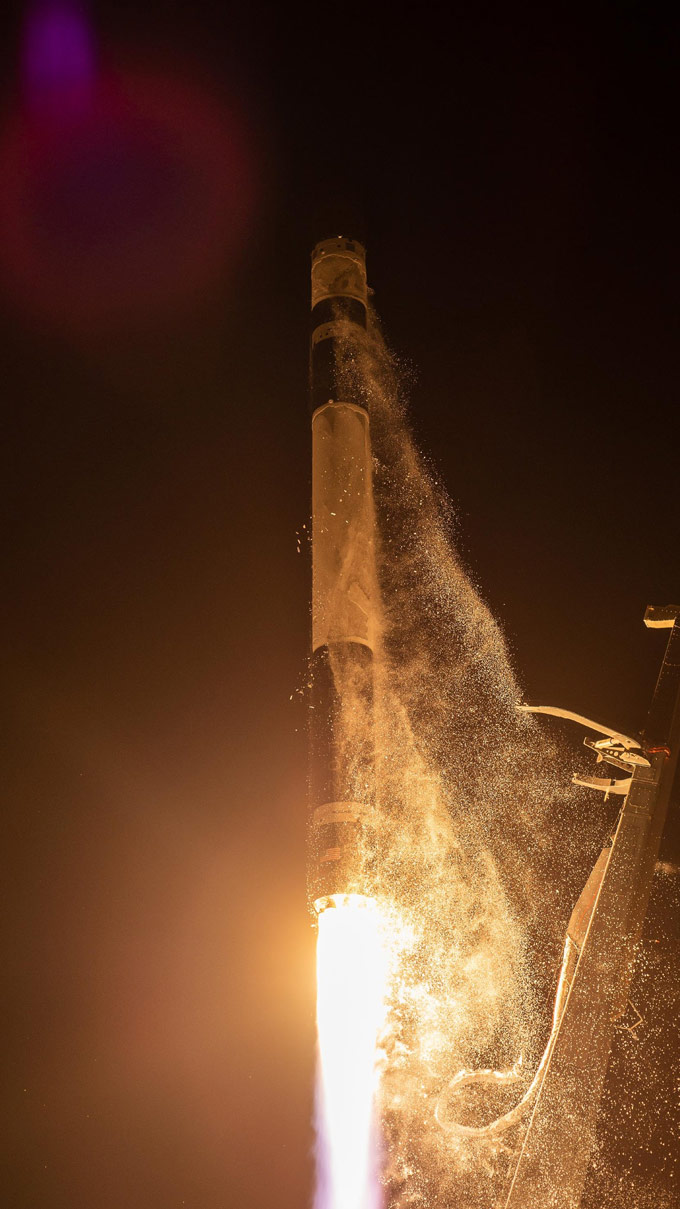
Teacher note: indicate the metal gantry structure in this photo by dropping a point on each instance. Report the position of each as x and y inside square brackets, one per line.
[605, 929]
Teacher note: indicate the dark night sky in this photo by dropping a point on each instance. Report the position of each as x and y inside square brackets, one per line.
[513, 176]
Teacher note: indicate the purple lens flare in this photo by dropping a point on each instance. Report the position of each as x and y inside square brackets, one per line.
[58, 55]
[126, 195]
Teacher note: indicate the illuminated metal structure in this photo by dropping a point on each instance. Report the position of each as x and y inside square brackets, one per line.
[344, 590]
[603, 933]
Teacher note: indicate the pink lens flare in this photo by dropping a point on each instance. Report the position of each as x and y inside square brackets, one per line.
[59, 58]
[124, 197]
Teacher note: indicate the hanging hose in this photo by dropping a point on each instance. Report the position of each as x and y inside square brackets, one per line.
[465, 1078]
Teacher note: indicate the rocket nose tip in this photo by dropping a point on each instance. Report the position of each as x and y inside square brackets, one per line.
[339, 244]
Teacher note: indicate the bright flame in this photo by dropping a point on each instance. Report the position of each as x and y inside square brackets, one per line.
[351, 980]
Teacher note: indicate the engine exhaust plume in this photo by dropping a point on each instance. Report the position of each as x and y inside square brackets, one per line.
[351, 981]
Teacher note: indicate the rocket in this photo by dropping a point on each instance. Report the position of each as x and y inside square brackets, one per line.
[344, 586]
